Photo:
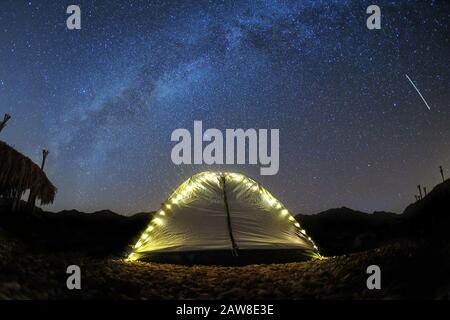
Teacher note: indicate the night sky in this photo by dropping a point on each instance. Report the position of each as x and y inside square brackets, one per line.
[105, 99]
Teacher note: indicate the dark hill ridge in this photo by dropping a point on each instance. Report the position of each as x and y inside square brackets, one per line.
[336, 231]
[343, 230]
[98, 233]
[436, 204]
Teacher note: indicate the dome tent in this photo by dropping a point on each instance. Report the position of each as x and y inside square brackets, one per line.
[219, 218]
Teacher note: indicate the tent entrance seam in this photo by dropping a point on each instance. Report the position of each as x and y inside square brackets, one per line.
[230, 229]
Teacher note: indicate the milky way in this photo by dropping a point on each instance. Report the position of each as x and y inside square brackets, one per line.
[105, 99]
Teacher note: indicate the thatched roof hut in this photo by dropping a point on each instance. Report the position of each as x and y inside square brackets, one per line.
[19, 173]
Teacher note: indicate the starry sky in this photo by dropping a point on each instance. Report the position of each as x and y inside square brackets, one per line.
[105, 99]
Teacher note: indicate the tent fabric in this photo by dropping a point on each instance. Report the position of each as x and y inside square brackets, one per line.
[195, 218]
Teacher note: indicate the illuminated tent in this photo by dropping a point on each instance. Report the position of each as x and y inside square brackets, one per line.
[219, 217]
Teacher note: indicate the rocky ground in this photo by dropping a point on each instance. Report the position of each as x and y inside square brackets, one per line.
[409, 270]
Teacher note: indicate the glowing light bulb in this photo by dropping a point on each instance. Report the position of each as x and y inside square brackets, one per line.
[150, 228]
[297, 225]
[168, 206]
[284, 212]
[162, 213]
[303, 231]
[138, 244]
[158, 221]
[144, 236]
[291, 218]
[133, 256]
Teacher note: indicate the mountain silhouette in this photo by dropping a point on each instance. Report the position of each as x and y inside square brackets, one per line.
[336, 231]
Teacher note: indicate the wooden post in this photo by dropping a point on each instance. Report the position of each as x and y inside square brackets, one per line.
[16, 201]
[442, 173]
[32, 196]
[420, 192]
[425, 191]
[5, 120]
[44, 157]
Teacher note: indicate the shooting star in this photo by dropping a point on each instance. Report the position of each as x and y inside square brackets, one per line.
[418, 91]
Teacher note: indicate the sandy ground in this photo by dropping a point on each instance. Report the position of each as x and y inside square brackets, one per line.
[408, 271]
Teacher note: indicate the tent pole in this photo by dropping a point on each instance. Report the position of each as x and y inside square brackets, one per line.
[230, 230]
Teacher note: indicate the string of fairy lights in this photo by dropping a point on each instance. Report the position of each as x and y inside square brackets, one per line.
[196, 183]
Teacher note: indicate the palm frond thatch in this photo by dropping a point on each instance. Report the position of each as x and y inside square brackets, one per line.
[19, 173]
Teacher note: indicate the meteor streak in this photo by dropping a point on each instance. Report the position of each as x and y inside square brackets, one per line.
[418, 91]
